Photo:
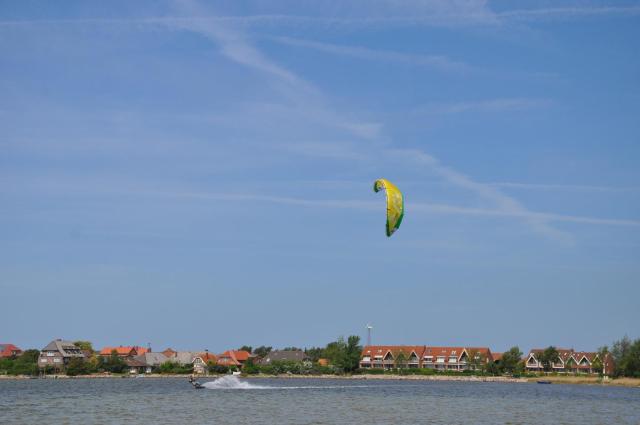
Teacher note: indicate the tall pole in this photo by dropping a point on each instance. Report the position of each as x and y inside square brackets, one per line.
[369, 327]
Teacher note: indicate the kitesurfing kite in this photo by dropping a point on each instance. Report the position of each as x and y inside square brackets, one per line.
[395, 204]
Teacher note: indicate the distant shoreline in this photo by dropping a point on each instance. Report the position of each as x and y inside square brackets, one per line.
[571, 380]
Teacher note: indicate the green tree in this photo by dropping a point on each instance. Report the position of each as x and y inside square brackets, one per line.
[29, 356]
[491, 368]
[246, 348]
[598, 363]
[334, 351]
[626, 356]
[84, 345]
[475, 359]
[400, 360]
[315, 353]
[77, 366]
[549, 356]
[113, 363]
[250, 368]
[262, 351]
[353, 351]
[510, 360]
[344, 355]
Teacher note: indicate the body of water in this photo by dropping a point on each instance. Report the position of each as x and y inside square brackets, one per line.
[230, 400]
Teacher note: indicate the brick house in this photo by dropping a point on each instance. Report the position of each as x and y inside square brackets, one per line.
[423, 356]
[58, 353]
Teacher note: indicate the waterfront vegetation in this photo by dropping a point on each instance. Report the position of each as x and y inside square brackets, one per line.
[341, 357]
[24, 364]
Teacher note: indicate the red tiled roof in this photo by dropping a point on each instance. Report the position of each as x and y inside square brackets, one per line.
[456, 352]
[208, 357]
[8, 350]
[447, 352]
[485, 352]
[121, 351]
[233, 357]
[141, 350]
[423, 351]
[382, 350]
[497, 356]
[242, 355]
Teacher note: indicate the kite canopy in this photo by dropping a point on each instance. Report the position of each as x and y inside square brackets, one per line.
[395, 204]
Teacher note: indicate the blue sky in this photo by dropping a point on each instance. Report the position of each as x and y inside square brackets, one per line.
[199, 175]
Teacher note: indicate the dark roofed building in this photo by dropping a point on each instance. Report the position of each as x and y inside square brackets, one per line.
[58, 353]
[285, 355]
[135, 365]
[145, 363]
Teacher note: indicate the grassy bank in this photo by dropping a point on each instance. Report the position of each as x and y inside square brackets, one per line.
[588, 380]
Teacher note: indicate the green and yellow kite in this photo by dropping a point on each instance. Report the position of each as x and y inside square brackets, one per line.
[395, 204]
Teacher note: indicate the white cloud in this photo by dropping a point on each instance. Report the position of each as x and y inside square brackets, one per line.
[487, 105]
[524, 214]
[433, 61]
[505, 204]
[568, 12]
[567, 187]
[305, 97]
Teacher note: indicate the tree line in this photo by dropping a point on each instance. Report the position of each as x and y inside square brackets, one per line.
[342, 356]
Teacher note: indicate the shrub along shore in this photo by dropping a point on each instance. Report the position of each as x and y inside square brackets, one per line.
[555, 379]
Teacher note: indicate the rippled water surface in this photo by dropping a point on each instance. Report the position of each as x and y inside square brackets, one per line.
[311, 401]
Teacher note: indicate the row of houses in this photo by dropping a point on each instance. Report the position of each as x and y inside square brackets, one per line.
[57, 354]
[472, 358]
[423, 356]
[571, 361]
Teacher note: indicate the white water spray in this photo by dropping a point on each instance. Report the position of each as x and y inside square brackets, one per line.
[231, 383]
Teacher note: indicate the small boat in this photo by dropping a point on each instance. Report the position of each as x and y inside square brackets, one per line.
[543, 382]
